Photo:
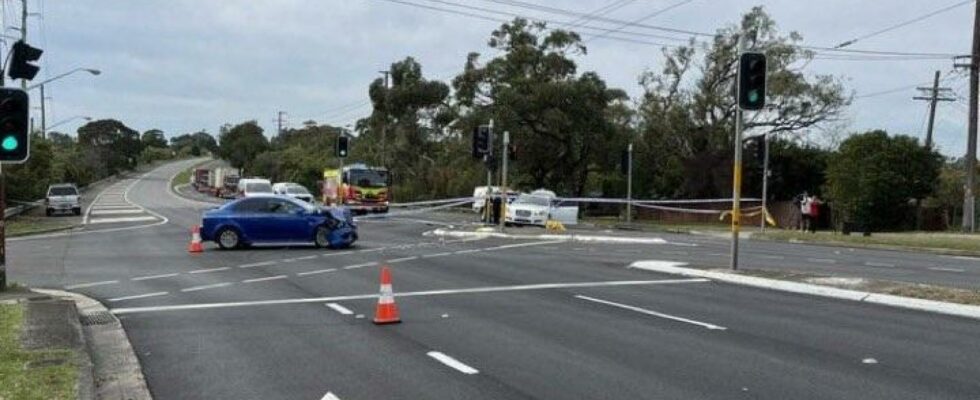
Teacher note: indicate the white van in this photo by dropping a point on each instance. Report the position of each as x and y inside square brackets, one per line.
[479, 195]
[249, 187]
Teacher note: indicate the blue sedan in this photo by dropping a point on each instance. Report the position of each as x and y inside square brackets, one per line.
[277, 219]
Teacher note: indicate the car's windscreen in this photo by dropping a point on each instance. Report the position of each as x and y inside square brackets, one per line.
[533, 200]
[258, 187]
[62, 191]
[369, 178]
[297, 190]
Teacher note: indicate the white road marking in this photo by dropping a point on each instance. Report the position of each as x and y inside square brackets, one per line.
[206, 270]
[717, 254]
[342, 253]
[120, 219]
[90, 284]
[330, 396]
[319, 271]
[305, 258]
[356, 266]
[512, 246]
[258, 264]
[772, 257]
[963, 258]
[370, 250]
[339, 308]
[148, 277]
[879, 264]
[452, 363]
[403, 259]
[436, 255]
[115, 212]
[138, 296]
[869, 361]
[212, 286]
[653, 313]
[822, 260]
[268, 278]
[287, 260]
[946, 269]
[374, 295]
[468, 251]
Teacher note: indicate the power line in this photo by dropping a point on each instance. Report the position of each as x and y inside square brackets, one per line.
[604, 10]
[638, 20]
[903, 24]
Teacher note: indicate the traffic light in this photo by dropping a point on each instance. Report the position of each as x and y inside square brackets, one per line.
[481, 141]
[343, 146]
[14, 138]
[21, 58]
[752, 81]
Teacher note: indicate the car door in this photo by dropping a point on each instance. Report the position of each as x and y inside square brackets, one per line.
[253, 217]
[288, 221]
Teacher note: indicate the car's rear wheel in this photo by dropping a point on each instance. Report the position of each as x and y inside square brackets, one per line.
[321, 237]
[229, 238]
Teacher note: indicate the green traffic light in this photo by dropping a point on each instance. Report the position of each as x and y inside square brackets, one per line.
[10, 143]
[753, 96]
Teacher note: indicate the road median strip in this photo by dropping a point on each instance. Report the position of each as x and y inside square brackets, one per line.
[570, 237]
[920, 304]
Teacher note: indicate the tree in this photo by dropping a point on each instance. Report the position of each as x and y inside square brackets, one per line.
[116, 145]
[688, 122]
[240, 144]
[28, 181]
[873, 178]
[533, 90]
[154, 138]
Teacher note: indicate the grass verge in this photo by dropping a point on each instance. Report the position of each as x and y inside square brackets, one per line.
[935, 241]
[25, 374]
[652, 225]
[28, 224]
[914, 290]
[182, 177]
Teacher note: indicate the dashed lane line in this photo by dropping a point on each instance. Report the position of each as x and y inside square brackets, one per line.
[468, 251]
[356, 266]
[208, 270]
[653, 313]
[319, 271]
[339, 308]
[258, 264]
[267, 278]
[452, 363]
[138, 296]
[403, 259]
[149, 277]
[822, 260]
[439, 292]
[90, 284]
[944, 269]
[437, 254]
[879, 264]
[204, 287]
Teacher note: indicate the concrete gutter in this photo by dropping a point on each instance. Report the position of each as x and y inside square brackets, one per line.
[939, 307]
[117, 373]
[569, 237]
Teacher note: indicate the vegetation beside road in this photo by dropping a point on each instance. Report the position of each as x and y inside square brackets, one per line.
[934, 241]
[30, 224]
[27, 374]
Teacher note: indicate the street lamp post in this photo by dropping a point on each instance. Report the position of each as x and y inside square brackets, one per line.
[67, 120]
[40, 85]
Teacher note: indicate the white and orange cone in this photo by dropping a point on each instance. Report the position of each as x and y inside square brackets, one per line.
[387, 310]
[195, 246]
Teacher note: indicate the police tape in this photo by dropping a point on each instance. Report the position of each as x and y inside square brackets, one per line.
[461, 200]
[412, 212]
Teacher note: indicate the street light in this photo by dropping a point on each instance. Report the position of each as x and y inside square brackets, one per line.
[92, 71]
[67, 120]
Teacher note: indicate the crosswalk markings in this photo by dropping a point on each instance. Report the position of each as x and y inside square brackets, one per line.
[100, 211]
[112, 206]
[121, 219]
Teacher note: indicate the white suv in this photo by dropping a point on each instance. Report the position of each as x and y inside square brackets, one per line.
[62, 197]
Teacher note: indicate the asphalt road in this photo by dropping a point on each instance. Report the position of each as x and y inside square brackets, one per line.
[495, 319]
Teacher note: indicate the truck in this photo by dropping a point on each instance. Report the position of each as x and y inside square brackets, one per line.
[223, 182]
[361, 188]
[199, 179]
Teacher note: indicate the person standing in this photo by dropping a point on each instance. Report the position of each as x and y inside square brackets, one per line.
[805, 218]
[814, 212]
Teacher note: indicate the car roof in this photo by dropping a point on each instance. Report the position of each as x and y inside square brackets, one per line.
[61, 185]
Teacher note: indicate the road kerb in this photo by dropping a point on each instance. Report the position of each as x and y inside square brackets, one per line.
[117, 370]
[939, 307]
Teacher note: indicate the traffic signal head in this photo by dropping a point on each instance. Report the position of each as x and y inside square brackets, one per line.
[481, 141]
[21, 58]
[343, 146]
[752, 81]
[14, 138]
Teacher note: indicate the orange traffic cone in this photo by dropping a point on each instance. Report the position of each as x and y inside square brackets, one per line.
[195, 246]
[387, 310]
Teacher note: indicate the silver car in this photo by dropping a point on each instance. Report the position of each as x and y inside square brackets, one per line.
[62, 197]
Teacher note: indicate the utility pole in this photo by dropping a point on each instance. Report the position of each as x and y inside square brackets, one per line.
[3, 180]
[629, 183]
[737, 169]
[23, 33]
[503, 180]
[971, 138]
[486, 161]
[44, 123]
[765, 181]
[280, 122]
[384, 124]
[932, 95]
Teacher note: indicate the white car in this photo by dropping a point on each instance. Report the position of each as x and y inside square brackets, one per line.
[293, 190]
[249, 187]
[529, 209]
[62, 197]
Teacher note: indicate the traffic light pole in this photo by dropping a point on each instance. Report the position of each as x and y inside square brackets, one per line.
[486, 162]
[765, 181]
[629, 184]
[3, 231]
[503, 181]
[737, 167]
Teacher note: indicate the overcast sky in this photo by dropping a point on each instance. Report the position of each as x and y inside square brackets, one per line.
[185, 65]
